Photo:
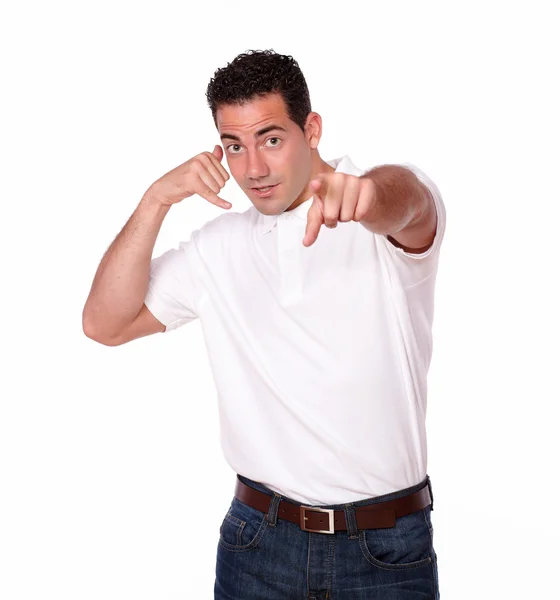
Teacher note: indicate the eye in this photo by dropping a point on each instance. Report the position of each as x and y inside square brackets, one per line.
[233, 146]
[274, 138]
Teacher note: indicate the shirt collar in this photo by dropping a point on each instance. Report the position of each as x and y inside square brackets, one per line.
[267, 222]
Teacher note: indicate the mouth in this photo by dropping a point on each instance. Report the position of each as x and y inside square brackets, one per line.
[264, 191]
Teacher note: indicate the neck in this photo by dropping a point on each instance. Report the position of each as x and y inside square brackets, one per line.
[318, 165]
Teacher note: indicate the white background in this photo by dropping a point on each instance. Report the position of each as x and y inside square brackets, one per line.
[112, 481]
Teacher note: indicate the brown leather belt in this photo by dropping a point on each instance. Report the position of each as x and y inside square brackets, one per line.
[321, 520]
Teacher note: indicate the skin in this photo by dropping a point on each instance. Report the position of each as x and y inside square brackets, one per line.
[384, 200]
[389, 200]
[289, 158]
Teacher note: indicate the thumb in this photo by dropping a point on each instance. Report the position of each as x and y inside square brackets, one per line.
[318, 185]
[315, 184]
[218, 152]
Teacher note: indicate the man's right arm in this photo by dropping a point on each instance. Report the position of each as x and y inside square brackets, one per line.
[114, 312]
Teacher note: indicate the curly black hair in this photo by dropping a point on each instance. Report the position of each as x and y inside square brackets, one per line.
[256, 73]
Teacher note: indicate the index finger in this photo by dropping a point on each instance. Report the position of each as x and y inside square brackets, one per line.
[314, 222]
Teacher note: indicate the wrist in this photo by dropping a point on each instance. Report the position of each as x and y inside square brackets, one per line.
[155, 201]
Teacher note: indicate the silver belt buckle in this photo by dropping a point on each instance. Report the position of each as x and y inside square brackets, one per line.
[303, 518]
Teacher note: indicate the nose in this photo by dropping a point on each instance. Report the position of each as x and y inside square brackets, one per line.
[256, 165]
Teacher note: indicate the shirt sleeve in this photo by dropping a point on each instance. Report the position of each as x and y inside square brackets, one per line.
[174, 290]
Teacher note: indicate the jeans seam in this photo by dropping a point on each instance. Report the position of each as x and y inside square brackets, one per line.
[434, 576]
[430, 528]
[309, 540]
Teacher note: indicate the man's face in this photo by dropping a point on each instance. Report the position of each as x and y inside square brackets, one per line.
[279, 157]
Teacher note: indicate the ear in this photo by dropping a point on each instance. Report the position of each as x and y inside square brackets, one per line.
[313, 129]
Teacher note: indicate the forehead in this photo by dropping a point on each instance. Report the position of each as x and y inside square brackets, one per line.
[252, 114]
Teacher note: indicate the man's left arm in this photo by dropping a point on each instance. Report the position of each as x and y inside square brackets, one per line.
[403, 209]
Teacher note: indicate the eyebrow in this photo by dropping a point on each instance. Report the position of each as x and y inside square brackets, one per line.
[258, 133]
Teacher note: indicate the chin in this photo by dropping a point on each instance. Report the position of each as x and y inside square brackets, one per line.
[271, 208]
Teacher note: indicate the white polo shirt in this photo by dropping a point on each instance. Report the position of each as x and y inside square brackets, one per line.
[319, 354]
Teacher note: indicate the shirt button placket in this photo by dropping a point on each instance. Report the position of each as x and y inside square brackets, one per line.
[289, 260]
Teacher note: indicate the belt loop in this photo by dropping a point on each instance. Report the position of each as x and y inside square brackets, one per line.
[351, 525]
[272, 514]
[431, 493]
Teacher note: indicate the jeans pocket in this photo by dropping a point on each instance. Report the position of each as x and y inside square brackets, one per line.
[242, 527]
[408, 545]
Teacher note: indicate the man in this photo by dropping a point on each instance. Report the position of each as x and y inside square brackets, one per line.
[319, 339]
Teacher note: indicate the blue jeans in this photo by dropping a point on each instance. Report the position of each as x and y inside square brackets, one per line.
[263, 557]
